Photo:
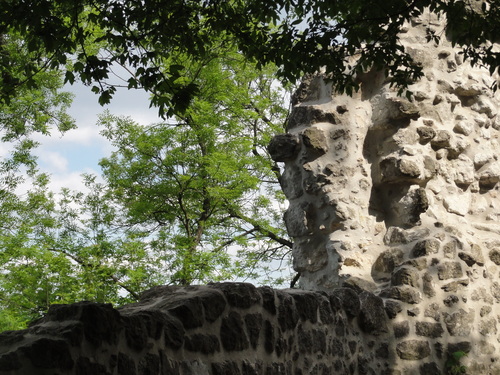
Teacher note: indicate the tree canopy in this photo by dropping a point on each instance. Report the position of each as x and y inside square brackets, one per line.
[194, 199]
[299, 36]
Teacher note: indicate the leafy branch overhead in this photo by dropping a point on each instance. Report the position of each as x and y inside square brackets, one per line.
[299, 36]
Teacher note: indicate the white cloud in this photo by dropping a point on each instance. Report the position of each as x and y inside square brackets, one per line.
[72, 180]
[54, 161]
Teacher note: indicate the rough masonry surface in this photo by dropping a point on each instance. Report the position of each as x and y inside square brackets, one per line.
[400, 197]
[220, 329]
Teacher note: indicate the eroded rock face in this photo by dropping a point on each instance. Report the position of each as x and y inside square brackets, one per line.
[400, 197]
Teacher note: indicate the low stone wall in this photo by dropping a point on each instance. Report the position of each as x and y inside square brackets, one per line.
[234, 329]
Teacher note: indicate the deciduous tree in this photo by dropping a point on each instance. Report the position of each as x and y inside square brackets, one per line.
[299, 36]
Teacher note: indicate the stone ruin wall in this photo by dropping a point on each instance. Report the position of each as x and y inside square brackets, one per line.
[394, 213]
[220, 329]
[401, 198]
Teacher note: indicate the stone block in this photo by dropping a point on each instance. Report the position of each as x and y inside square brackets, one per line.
[225, 368]
[459, 323]
[306, 304]
[232, 333]
[242, 295]
[49, 353]
[372, 318]
[392, 308]
[405, 276]
[429, 329]
[149, 364]
[426, 247]
[288, 316]
[253, 324]
[188, 310]
[386, 263]
[413, 349]
[431, 368]
[450, 270]
[202, 343]
[315, 141]
[494, 255]
[349, 300]
[402, 293]
[284, 147]
[268, 299]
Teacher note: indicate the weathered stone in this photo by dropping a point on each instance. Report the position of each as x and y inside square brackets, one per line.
[431, 368]
[189, 311]
[402, 293]
[386, 262]
[213, 303]
[284, 147]
[372, 317]
[225, 368]
[495, 256]
[10, 362]
[495, 291]
[454, 286]
[459, 323]
[392, 308]
[126, 365]
[306, 304]
[242, 295]
[413, 349]
[475, 256]
[315, 140]
[173, 333]
[86, 366]
[150, 364]
[429, 329]
[428, 285]
[359, 285]
[426, 133]
[418, 263]
[232, 333]
[433, 311]
[349, 300]
[397, 235]
[135, 333]
[449, 270]
[457, 203]
[405, 276]
[287, 313]
[268, 299]
[450, 249]
[441, 140]
[488, 327]
[269, 337]
[251, 368]
[426, 247]
[450, 300]
[46, 353]
[206, 344]
[463, 346]
[326, 314]
[253, 323]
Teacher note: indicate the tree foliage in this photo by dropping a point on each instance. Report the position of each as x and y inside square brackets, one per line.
[186, 201]
[299, 36]
[204, 183]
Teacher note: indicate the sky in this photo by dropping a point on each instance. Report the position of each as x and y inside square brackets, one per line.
[66, 157]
